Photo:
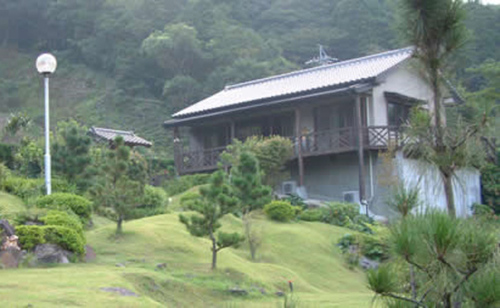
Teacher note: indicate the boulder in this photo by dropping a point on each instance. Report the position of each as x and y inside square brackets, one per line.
[367, 264]
[51, 253]
[8, 230]
[10, 258]
[238, 291]
[119, 291]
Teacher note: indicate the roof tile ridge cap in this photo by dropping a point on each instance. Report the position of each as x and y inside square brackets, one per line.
[114, 130]
[319, 68]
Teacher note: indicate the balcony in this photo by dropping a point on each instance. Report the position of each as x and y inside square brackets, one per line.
[327, 142]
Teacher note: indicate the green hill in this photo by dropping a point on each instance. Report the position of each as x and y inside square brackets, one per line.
[10, 206]
[301, 252]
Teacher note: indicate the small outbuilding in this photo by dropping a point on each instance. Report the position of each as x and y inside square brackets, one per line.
[109, 135]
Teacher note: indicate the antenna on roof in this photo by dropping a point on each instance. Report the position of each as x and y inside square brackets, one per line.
[323, 58]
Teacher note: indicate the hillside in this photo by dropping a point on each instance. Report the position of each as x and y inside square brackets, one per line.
[301, 252]
[130, 64]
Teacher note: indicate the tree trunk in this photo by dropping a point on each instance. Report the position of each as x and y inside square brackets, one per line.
[448, 190]
[214, 251]
[119, 225]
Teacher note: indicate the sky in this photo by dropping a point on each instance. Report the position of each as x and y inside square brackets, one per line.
[491, 1]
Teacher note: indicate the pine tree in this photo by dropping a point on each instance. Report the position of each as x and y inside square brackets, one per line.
[215, 202]
[114, 189]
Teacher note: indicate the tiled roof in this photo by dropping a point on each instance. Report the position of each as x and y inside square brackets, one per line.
[128, 136]
[312, 79]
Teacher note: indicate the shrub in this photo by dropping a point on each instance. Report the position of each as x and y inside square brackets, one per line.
[312, 215]
[183, 183]
[30, 215]
[4, 174]
[64, 201]
[279, 211]
[154, 197]
[30, 236]
[25, 188]
[373, 247]
[66, 238]
[339, 213]
[64, 219]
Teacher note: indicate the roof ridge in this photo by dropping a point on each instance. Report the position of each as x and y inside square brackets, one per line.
[319, 68]
[114, 130]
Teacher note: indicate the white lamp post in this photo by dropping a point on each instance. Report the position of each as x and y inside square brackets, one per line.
[46, 64]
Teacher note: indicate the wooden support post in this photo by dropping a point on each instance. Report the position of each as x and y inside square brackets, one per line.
[298, 138]
[232, 131]
[361, 158]
[177, 151]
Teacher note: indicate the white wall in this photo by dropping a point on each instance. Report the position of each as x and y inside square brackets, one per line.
[404, 80]
[466, 185]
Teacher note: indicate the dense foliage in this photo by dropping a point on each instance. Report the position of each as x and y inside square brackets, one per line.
[280, 211]
[68, 202]
[163, 55]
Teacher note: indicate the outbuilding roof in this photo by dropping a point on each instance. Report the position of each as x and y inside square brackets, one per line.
[313, 79]
[110, 135]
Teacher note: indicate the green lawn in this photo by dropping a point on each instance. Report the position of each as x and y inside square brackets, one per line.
[10, 206]
[302, 252]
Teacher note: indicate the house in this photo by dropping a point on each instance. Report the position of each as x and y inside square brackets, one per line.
[340, 117]
[109, 135]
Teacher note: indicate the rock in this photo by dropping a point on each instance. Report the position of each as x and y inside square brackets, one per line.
[51, 253]
[280, 293]
[10, 258]
[262, 291]
[161, 266]
[8, 230]
[10, 242]
[120, 265]
[89, 254]
[120, 291]
[238, 291]
[367, 264]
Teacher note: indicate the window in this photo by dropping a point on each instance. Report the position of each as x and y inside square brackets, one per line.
[397, 113]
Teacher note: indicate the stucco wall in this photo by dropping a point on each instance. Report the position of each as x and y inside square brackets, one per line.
[403, 80]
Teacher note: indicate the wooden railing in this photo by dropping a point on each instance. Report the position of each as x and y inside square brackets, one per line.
[334, 141]
[197, 161]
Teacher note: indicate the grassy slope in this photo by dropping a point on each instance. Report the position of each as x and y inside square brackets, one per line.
[302, 252]
[10, 205]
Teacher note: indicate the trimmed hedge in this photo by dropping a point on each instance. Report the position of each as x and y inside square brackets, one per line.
[65, 202]
[184, 183]
[66, 238]
[63, 219]
[279, 211]
[336, 213]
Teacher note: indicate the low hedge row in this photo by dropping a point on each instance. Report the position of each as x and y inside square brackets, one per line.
[66, 238]
[31, 188]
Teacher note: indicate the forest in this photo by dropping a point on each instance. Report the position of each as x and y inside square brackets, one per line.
[130, 64]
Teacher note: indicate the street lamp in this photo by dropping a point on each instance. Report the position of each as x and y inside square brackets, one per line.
[46, 64]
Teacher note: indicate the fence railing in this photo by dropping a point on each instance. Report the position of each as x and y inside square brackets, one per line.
[313, 144]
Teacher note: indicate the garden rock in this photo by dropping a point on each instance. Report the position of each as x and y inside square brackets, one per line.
[120, 265]
[161, 266]
[280, 293]
[10, 258]
[51, 253]
[90, 254]
[8, 230]
[120, 291]
[238, 291]
[367, 264]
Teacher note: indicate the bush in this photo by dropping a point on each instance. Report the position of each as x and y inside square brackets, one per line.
[154, 197]
[183, 183]
[25, 188]
[64, 201]
[63, 219]
[30, 236]
[30, 215]
[4, 175]
[66, 238]
[279, 211]
[337, 213]
[312, 215]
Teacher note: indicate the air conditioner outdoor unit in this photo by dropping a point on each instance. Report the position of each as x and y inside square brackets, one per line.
[351, 197]
[289, 188]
